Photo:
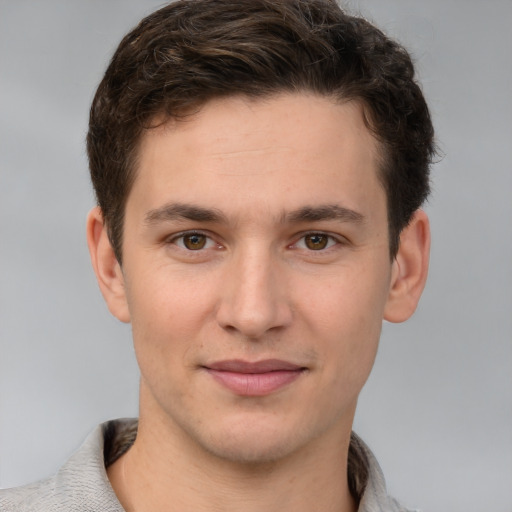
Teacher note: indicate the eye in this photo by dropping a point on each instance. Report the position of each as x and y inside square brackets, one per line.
[193, 241]
[316, 242]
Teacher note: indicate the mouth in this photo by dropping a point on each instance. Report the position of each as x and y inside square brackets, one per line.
[259, 378]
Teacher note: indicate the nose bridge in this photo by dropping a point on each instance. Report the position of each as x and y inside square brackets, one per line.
[254, 299]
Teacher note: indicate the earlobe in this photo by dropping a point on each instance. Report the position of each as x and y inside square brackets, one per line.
[106, 267]
[410, 269]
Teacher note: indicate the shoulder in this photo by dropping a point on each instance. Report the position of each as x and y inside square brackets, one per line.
[81, 484]
[18, 498]
[38, 496]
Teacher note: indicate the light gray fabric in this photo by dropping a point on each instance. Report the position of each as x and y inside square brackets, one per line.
[81, 485]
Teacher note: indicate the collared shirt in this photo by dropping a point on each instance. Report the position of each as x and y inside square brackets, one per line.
[82, 485]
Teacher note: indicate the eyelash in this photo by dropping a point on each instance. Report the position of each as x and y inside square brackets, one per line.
[182, 236]
[330, 241]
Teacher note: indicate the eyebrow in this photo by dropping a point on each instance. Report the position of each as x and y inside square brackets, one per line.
[179, 211]
[325, 212]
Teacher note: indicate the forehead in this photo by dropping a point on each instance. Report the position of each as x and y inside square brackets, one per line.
[271, 151]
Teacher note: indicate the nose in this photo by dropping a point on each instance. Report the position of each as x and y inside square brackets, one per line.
[254, 297]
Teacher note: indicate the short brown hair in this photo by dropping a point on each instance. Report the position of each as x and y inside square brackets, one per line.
[192, 51]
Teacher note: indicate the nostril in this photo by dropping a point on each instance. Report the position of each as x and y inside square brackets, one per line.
[253, 322]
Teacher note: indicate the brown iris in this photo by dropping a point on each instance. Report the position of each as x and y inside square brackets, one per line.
[316, 241]
[194, 241]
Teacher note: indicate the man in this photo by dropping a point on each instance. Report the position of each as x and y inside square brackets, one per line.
[259, 168]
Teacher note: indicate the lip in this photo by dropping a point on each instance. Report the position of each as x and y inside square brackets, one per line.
[258, 378]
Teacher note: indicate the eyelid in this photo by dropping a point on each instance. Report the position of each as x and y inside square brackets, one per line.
[337, 239]
[172, 239]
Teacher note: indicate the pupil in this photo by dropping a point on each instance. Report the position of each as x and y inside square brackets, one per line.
[195, 242]
[316, 241]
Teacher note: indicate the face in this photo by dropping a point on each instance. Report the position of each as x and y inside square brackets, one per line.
[256, 273]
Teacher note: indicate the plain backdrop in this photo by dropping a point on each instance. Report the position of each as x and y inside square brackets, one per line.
[437, 410]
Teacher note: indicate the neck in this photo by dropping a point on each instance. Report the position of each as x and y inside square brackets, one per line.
[162, 480]
[166, 471]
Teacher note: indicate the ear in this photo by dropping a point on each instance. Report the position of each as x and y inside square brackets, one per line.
[410, 269]
[106, 267]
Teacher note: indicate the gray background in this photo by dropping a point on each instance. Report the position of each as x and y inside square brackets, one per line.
[437, 409]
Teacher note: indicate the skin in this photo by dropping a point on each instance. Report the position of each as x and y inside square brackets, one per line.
[255, 230]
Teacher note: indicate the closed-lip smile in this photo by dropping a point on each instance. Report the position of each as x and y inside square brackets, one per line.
[259, 378]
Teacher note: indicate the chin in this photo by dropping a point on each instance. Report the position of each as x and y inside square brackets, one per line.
[251, 452]
[251, 444]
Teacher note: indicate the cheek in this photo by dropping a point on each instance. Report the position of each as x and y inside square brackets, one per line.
[347, 316]
[165, 299]
[166, 316]
[349, 356]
